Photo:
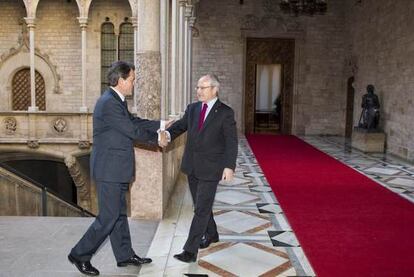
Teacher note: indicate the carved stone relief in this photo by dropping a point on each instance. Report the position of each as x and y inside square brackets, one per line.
[195, 32]
[272, 21]
[84, 144]
[271, 6]
[33, 144]
[250, 22]
[10, 124]
[60, 125]
[82, 187]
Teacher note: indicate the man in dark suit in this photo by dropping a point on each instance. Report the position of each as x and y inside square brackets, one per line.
[112, 165]
[209, 156]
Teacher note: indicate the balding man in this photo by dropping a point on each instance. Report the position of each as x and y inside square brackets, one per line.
[209, 156]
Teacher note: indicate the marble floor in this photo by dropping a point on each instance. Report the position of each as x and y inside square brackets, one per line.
[255, 236]
[38, 246]
[387, 170]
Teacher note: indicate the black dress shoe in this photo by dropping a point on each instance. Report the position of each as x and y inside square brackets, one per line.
[206, 241]
[83, 267]
[186, 257]
[134, 260]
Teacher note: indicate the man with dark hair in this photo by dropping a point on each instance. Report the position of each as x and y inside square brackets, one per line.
[209, 156]
[112, 164]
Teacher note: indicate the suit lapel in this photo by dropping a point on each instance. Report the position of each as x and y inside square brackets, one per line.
[211, 115]
[197, 111]
[116, 96]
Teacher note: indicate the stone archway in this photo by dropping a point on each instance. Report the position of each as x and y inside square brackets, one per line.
[69, 157]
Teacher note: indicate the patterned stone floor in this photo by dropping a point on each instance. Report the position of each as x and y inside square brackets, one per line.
[255, 237]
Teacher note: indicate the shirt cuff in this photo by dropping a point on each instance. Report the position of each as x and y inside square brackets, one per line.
[161, 129]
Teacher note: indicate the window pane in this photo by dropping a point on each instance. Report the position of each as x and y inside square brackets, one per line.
[108, 51]
[126, 43]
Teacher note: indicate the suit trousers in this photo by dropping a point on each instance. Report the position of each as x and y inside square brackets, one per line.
[111, 221]
[203, 193]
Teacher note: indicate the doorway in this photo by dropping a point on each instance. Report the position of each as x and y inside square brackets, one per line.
[267, 112]
[269, 85]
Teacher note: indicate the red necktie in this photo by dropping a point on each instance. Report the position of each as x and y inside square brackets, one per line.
[202, 115]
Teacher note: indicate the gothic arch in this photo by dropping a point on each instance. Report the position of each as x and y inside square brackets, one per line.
[18, 59]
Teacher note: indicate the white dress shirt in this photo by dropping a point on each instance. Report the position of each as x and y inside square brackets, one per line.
[119, 94]
[210, 105]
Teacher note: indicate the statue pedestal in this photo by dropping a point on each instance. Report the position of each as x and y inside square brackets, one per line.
[368, 142]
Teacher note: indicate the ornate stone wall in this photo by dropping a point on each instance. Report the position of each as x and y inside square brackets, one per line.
[319, 83]
[383, 55]
[58, 41]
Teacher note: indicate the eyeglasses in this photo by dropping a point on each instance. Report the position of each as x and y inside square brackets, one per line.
[202, 88]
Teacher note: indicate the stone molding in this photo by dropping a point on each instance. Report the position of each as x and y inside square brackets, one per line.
[83, 193]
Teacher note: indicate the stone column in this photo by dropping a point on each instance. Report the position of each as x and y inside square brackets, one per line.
[147, 189]
[181, 61]
[134, 21]
[83, 21]
[187, 41]
[189, 60]
[164, 45]
[148, 59]
[30, 21]
[187, 14]
[174, 40]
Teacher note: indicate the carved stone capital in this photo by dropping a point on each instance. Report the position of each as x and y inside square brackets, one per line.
[188, 11]
[34, 143]
[191, 21]
[31, 22]
[134, 21]
[83, 22]
[84, 144]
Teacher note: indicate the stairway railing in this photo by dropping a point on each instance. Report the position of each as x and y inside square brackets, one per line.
[44, 203]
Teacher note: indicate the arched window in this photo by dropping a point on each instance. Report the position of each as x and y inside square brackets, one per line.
[108, 51]
[21, 96]
[126, 42]
[115, 48]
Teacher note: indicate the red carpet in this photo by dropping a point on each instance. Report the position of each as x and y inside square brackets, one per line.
[347, 224]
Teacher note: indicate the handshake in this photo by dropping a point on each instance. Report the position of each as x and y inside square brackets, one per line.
[164, 136]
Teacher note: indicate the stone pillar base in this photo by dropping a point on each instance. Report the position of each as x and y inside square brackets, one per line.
[368, 142]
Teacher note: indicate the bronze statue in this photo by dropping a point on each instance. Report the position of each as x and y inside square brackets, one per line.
[369, 119]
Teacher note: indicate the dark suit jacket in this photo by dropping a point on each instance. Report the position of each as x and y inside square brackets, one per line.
[214, 147]
[114, 132]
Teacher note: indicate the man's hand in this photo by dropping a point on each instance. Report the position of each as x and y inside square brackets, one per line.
[227, 174]
[163, 139]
